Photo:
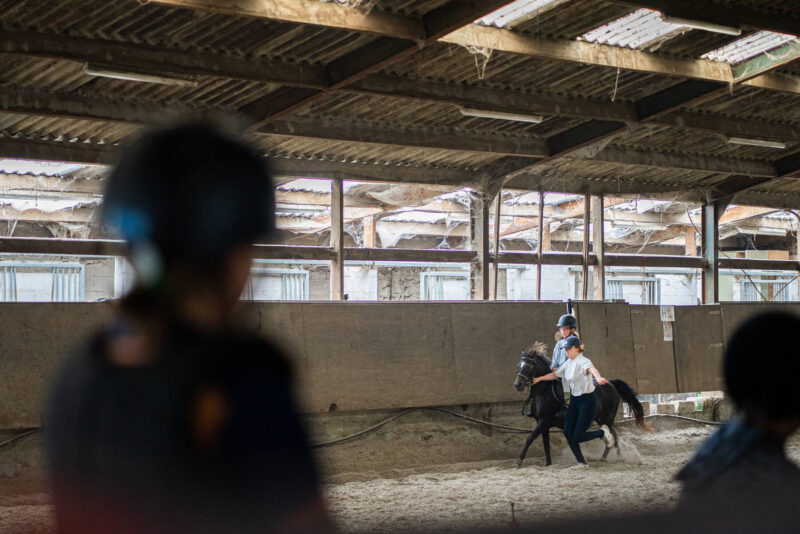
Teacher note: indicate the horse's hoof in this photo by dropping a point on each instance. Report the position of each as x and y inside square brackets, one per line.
[517, 463]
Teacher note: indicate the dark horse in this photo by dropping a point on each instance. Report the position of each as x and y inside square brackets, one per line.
[546, 402]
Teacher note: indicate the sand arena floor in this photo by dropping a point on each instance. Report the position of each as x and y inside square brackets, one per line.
[470, 495]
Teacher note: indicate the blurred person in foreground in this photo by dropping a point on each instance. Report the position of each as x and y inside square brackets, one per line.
[744, 465]
[169, 419]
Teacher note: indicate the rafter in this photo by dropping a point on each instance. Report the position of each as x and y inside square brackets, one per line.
[615, 57]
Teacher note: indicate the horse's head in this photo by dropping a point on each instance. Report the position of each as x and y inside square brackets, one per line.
[532, 363]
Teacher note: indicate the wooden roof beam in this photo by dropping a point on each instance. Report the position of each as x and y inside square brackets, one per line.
[624, 58]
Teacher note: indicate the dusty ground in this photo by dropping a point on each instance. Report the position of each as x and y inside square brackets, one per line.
[455, 496]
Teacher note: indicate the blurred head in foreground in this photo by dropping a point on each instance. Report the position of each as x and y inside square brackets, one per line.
[189, 200]
[170, 419]
[743, 467]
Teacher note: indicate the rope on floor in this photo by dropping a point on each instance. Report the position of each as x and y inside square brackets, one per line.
[507, 428]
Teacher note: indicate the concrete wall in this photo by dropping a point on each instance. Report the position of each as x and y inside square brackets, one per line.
[364, 356]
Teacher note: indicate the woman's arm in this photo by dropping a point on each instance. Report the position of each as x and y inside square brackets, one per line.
[596, 374]
[548, 376]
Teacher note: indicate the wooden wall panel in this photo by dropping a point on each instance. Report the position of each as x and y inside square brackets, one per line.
[698, 348]
[655, 358]
[605, 329]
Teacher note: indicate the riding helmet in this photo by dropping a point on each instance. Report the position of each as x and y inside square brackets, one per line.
[567, 320]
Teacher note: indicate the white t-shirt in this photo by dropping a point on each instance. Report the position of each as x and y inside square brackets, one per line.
[574, 372]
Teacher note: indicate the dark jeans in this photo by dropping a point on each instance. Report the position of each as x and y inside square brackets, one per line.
[580, 415]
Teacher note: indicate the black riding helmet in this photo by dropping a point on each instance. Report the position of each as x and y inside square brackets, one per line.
[567, 320]
[770, 395]
[189, 193]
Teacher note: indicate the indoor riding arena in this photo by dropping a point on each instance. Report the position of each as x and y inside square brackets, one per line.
[451, 177]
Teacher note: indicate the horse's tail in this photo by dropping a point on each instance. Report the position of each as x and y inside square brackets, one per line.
[629, 395]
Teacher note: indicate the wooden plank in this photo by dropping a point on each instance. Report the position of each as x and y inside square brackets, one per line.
[337, 240]
[690, 248]
[541, 246]
[355, 369]
[654, 357]
[408, 255]
[39, 337]
[312, 12]
[614, 57]
[598, 248]
[479, 240]
[755, 265]
[735, 313]
[698, 348]
[605, 330]
[587, 219]
[369, 232]
[588, 53]
[45, 185]
[488, 339]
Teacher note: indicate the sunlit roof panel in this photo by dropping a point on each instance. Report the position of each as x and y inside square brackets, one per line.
[636, 30]
[515, 11]
[748, 47]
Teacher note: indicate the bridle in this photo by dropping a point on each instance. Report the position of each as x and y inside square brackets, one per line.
[529, 381]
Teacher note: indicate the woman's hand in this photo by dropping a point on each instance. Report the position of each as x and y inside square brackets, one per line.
[602, 381]
[536, 380]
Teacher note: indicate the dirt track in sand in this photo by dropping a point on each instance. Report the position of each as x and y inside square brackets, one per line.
[478, 495]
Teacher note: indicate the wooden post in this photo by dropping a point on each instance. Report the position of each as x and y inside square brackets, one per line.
[370, 225]
[540, 246]
[496, 265]
[587, 212]
[337, 240]
[479, 239]
[691, 242]
[598, 246]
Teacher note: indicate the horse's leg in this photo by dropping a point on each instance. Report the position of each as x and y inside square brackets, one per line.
[546, 442]
[616, 439]
[534, 434]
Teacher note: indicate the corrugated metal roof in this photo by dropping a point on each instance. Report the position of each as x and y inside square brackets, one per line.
[37, 168]
[748, 47]
[639, 29]
[516, 11]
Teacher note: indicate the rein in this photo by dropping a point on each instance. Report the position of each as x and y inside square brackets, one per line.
[529, 382]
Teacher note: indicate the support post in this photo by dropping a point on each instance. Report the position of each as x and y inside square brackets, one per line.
[690, 249]
[370, 225]
[540, 246]
[599, 248]
[337, 240]
[587, 213]
[496, 264]
[479, 239]
[710, 230]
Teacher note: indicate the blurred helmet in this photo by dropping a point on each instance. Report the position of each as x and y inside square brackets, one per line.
[572, 341]
[772, 395]
[189, 192]
[567, 320]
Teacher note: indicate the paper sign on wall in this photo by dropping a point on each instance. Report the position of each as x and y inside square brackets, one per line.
[667, 330]
[667, 313]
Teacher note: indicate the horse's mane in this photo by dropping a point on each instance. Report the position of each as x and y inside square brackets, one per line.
[537, 352]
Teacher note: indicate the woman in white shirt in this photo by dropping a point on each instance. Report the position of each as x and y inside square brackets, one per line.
[578, 371]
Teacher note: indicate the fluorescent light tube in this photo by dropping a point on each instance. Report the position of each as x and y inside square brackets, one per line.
[756, 142]
[502, 115]
[702, 25]
[105, 72]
